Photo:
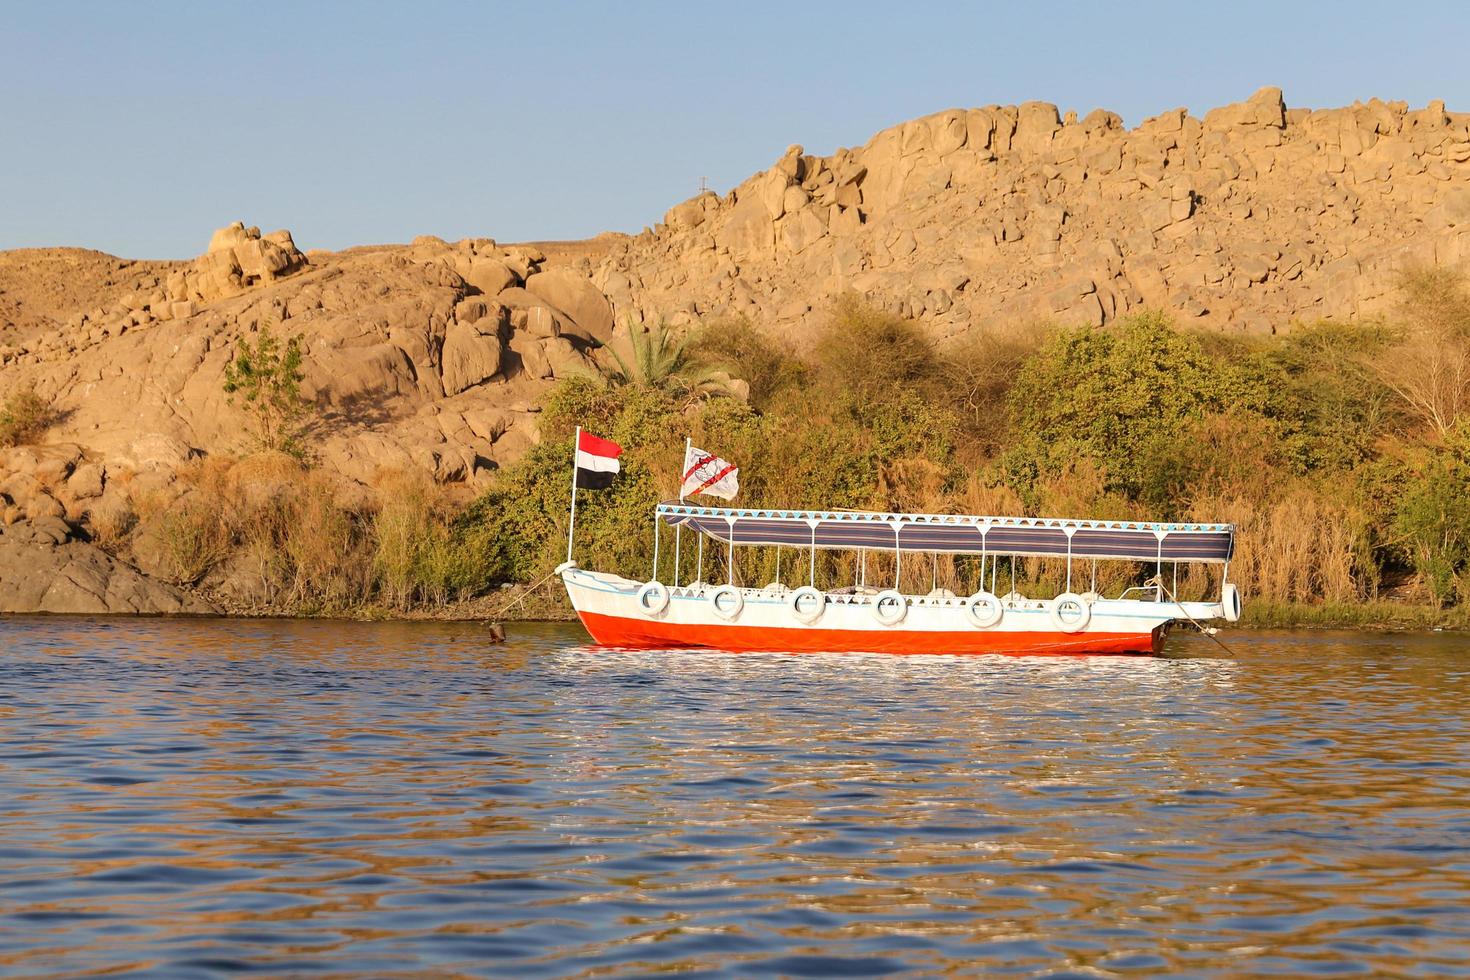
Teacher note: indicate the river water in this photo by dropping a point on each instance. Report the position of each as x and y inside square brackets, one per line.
[184, 798]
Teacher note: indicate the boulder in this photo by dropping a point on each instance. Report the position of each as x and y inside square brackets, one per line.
[490, 276]
[43, 571]
[473, 354]
[573, 294]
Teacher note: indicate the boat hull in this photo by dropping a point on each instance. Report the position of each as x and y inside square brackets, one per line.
[616, 631]
[609, 609]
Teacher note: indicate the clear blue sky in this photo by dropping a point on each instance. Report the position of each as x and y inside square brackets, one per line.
[139, 127]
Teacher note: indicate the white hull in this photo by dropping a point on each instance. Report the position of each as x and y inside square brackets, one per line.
[616, 614]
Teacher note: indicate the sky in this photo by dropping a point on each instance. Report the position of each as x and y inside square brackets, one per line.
[138, 128]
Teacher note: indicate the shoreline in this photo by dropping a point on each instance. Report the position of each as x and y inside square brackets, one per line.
[507, 607]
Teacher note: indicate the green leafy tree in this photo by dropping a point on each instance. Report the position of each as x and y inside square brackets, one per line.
[1118, 396]
[1432, 521]
[266, 376]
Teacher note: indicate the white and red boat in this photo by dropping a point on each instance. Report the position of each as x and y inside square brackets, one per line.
[624, 612]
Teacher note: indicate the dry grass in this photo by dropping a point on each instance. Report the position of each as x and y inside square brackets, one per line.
[1299, 547]
[24, 418]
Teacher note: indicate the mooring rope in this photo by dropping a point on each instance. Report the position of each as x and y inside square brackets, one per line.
[521, 597]
[1207, 631]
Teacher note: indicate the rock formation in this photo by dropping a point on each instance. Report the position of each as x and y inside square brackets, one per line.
[44, 569]
[1247, 219]
[435, 356]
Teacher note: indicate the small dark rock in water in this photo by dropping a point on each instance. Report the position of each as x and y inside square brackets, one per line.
[496, 633]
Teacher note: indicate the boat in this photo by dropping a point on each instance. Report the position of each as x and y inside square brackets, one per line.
[863, 616]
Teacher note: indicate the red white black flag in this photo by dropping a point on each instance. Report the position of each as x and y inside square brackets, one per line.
[597, 461]
[706, 473]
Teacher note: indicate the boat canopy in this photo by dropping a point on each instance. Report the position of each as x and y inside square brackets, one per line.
[1038, 537]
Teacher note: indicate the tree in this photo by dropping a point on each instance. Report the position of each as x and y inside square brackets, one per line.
[267, 377]
[1432, 519]
[1119, 396]
[1430, 370]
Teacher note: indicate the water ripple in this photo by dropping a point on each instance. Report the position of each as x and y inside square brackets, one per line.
[183, 798]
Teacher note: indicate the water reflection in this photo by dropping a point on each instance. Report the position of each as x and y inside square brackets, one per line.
[189, 797]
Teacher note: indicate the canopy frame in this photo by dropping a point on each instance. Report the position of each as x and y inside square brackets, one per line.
[959, 534]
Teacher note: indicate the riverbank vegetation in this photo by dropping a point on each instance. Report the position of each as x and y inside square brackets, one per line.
[1340, 450]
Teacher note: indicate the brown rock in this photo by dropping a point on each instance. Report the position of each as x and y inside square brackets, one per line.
[573, 294]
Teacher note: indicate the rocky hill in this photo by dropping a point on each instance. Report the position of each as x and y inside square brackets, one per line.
[1251, 217]
[435, 356]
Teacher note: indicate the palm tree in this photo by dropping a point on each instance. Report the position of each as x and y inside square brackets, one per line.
[660, 360]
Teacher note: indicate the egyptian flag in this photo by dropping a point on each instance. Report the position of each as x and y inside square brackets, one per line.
[597, 461]
[707, 473]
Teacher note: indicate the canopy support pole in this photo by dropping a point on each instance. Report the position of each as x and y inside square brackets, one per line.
[897, 563]
[699, 565]
[655, 547]
[679, 528]
[778, 564]
[813, 581]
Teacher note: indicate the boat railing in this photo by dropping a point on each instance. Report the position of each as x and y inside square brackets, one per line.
[845, 597]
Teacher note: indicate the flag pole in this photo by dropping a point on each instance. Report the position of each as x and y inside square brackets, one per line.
[572, 520]
[678, 528]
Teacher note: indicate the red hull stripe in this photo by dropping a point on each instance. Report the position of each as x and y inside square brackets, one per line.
[617, 631]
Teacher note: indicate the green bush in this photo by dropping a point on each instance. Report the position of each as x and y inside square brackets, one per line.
[266, 375]
[1119, 396]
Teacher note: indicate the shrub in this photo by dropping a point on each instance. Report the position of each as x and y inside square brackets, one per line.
[735, 345]
[267, 377]
[865, 357]
[1430, 368]
[1432, 523]
[193, 536]
[1116, 396]
[24, 418]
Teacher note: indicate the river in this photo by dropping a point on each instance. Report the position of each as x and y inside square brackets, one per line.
[188, 797]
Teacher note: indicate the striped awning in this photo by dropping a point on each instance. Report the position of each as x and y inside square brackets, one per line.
[1043, 537]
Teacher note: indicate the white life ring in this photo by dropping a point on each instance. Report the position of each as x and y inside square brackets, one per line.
[983, 610]
[1230, 599]
[894, 601]
[653, 598]
[1069, 612]
[732, 609]
[809, 616]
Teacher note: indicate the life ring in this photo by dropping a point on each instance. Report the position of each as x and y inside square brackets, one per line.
[1069, 612]
[653, 598]
[983, 610]
[732, 610]
[894, 601]
[1230, 599]
[809, 616]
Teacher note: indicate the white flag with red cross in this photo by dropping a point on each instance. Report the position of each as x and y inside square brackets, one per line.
[707, 473]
